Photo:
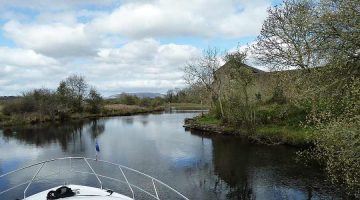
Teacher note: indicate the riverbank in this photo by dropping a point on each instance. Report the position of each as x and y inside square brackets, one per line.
[107, 111]
[264, 134]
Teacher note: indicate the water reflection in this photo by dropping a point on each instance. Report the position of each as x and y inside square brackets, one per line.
[129, 120]
[41, 136]
[262, 172]
[97, 127]
[61, 133]
[200, 167]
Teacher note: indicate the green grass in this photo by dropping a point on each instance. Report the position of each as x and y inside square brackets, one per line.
[208, 120]
[270, 133]
[280, 114]
[284, 134]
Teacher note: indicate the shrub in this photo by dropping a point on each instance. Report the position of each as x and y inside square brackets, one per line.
[278, 96]
[11, 107]
[95, 101]
[337, 147]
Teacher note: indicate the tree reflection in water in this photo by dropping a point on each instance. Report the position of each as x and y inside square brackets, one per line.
[97, 127]
[63, 134]
[249, 171]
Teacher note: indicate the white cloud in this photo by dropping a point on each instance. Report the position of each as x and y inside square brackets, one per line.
[148, 52]
[53, 5]
[147, 20]
[54, 39]
[23, 69]
[135, 52]
[142, 65]
[204, 18]
[23, 58]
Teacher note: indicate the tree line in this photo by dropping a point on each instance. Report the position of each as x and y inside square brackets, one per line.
[73, 95]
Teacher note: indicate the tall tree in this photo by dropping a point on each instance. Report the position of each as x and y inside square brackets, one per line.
[77, 87]
[239, 72]
[203, 71]
[95, 100]
[339, 26]
[287, 38]
[241, 112]
[64, 96]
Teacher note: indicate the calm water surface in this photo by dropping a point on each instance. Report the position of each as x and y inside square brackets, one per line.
[157, 144]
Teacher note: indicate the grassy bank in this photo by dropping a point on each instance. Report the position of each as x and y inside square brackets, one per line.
[265, 133]
[108, 110]
[293, 135]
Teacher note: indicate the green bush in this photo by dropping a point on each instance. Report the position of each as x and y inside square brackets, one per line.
[278, 96]
[25, 104]
[95, 101]
[337, 147]
[281, 114]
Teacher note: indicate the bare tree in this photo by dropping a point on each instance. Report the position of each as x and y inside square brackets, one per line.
[287, 38]
[203, 71]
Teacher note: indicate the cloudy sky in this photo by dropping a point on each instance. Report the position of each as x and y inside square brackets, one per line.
[118, 45]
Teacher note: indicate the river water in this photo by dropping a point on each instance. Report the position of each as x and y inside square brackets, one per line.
[199, 167]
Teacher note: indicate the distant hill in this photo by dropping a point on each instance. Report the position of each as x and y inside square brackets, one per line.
[7, 98]
[138, 94]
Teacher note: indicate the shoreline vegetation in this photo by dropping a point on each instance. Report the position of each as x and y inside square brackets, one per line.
[109, 110]
[264, 134]
[74, 99]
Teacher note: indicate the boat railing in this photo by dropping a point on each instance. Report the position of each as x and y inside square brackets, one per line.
[154, 194]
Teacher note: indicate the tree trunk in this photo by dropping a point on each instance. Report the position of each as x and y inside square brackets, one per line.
[221, 108]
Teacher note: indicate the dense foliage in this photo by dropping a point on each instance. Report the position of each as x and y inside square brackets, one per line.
[129, 99]
[322, 34]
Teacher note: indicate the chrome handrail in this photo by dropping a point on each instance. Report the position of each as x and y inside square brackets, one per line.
[121, 167]
[132, 192]
[114, 179]
[33, 178]
[157, 196]
[97, 177]
[134, 170]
